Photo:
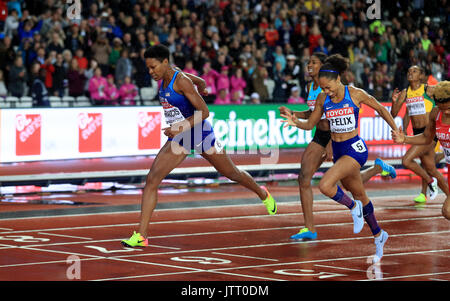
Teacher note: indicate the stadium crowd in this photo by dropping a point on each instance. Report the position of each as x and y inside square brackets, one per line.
[244, 49]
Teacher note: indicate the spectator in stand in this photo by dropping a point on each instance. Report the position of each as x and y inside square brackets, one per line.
[59, 76]
[124, 67]
[210, 76]
[17, 78]
[292, 71]
[3, 14]
[83, 62]
[3, 90]
[39, 92]
[56, 44]
[76, 79]
[74, 39]
[258, 77]
[321, 46]
[314, 37]
[115, 54]
[254, 98]
[381, 82]
[141, 76]
[223, 97]
[271, 35]
[28, 27]
[11, 23]
[281, 85]
[111, 91]
[235, 98]
[100, 52]
[7, 55]
[40, 56]
[189, 68]
[295, 96]
[50, 69]
[447, 58]
[202, 30]
[89, 73]
[279, 58]
[238, 85]
[128, 91]
[367, 79]
[97, 87]
[223, 81]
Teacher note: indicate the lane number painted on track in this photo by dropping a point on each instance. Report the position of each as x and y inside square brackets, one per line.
[201, 259]
[308, 273]
[23, 238]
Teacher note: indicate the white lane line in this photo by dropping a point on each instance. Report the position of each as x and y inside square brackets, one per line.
[321, 198]
[245, 256]
[340, 268]
[193, 220]
[329, 259]
[225, 270]
[63, 235]
[410, 276]
[92, 257]
[240, 231]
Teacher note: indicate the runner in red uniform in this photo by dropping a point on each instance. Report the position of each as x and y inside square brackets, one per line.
[439, 126]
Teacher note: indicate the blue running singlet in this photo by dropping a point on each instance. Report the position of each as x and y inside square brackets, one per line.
[343, 118]
[176, 109]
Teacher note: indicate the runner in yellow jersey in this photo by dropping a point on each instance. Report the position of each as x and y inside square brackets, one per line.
[418, 105]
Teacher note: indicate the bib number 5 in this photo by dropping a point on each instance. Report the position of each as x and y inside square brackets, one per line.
[359, 146]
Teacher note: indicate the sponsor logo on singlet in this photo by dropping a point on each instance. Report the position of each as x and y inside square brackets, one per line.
[341, 120]
[416, 105]
[172, 113]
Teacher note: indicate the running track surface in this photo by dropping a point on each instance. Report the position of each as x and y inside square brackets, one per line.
[222, 234]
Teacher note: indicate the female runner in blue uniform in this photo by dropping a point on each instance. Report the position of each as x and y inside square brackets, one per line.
[319, 150]
[186, 113]
[341, 104]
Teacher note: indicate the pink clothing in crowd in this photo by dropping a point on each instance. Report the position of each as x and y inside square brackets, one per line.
[97, 87]
[223, 82]
[210, 78]
[190, 70]
[127, 94]
[238, 84]
[448, 64]
[222, 101]
[112, 94]
[296, 99]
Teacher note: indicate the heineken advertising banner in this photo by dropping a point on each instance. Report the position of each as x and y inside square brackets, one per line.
[37, 134]
[256, 126]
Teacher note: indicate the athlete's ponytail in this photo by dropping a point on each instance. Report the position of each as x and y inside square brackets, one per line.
[334, 65]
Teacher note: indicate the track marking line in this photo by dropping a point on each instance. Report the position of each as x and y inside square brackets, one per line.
[341, 268]
[245, 256]
[197, 220]
[318, 198]
[234, 231]
[67, 236]
[410, 276]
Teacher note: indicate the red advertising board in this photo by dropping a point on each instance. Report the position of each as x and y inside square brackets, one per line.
[149, 130]
[90, 132]
[28, 134]
[374, 129]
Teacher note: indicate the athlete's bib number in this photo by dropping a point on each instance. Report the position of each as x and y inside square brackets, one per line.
[359, 146]
[416, 106]
[447, 154]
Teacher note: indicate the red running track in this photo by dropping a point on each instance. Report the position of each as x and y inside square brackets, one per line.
[219, 242]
